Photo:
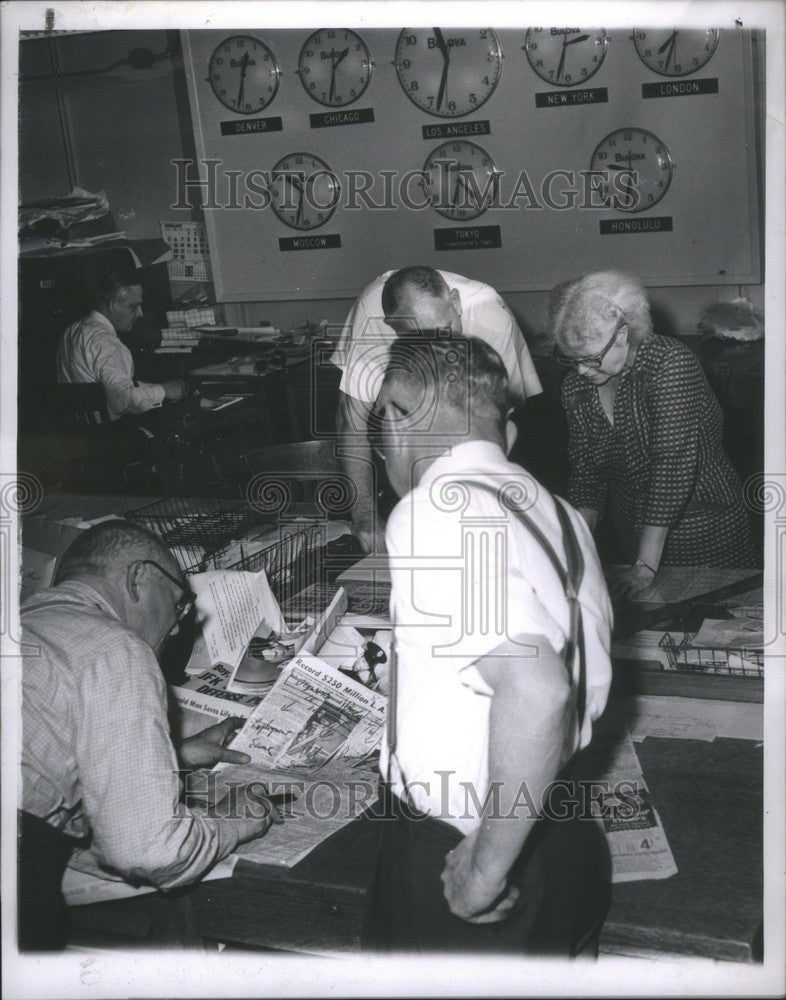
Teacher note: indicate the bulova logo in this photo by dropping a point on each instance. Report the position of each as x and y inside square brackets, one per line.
[451, 42]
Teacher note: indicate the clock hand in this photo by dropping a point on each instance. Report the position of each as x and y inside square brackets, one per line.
[342, 55]
[672, 51]
[578, 38]
[562, 58]
[443, 83]
[299, 213]
[333, 65]
[243, 68]
[669, 41]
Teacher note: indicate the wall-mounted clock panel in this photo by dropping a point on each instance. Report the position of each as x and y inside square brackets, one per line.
[536, 212]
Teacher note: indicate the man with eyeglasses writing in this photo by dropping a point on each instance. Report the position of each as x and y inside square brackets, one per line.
[98, 765]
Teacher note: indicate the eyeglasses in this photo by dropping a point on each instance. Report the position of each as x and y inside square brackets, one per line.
[186, 602]
[593, 360]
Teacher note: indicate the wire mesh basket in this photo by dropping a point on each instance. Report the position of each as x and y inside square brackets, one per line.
[686, 657]
[291, 564]
[229, 534]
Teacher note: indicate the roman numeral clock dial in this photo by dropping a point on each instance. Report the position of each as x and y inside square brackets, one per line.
[448, 72]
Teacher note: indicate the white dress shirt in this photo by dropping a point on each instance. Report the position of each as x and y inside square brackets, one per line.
[91, 351]
[362, 349]
[466, 576]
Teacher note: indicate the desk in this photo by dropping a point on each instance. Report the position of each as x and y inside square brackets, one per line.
[711, 908]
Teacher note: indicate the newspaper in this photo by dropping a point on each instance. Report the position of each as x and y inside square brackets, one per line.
[242, 628]
[637, 841]
[316, 736]
[203, 700]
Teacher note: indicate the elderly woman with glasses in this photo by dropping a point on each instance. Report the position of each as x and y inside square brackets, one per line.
[645, 435]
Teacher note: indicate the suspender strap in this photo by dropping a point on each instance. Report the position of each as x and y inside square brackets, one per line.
[570, 579]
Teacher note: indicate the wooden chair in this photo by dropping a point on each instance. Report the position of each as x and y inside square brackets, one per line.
[82, 404]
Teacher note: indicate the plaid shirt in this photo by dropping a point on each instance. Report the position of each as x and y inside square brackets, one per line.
[97, 757]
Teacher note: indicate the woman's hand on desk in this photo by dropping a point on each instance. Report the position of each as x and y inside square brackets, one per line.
[630, 581]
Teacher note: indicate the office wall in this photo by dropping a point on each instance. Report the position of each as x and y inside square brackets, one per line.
[123, 128]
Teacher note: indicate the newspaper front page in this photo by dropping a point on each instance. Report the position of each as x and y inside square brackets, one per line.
[316, 736]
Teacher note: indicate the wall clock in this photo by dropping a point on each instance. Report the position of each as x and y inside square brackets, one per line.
[565, 57]
[244, 74]
[675, 51]
[335, 66]
[304, 191]
[460, 180]
[632, 150]
[448, 72]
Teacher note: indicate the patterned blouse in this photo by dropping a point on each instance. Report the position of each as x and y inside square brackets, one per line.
[661, 462]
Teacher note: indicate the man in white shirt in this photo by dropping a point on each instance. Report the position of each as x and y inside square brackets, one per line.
[397, 302]
[488, 700]
[91, 351]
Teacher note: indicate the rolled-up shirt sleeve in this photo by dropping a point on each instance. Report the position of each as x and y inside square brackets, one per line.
[129, 776]
[123, 396]
[674, 397]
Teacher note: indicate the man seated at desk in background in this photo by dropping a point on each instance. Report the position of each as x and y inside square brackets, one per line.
[490, 692]
[98, 765]
[90, 350]
[404, 301]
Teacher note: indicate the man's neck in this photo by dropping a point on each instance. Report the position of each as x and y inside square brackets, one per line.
[492, 435]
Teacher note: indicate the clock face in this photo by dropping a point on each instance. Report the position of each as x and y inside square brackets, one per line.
[448, 72]
[675, 51]
[335, 66]
[244, 74]
[304, 191]
[635, 168]
[565, 57]
[460, 180]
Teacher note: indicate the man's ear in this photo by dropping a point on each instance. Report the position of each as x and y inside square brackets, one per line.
[455, 300]
[511, 433]
[134, 581]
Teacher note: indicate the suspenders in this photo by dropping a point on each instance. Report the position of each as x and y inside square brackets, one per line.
[570, 577]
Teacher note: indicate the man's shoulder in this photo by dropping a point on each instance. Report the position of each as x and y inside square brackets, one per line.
[56, 619]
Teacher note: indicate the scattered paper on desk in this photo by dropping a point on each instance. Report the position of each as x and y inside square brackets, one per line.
[343, 647]
[693, 718]
[730, 633]
[637, 841]
[80, 888]
[230, 605]
[369, 569]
